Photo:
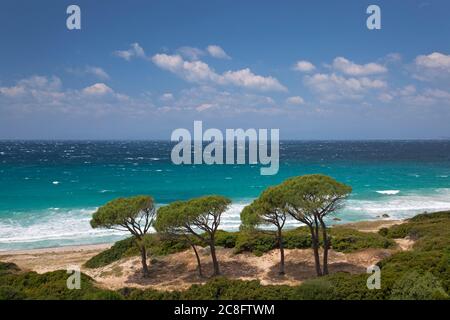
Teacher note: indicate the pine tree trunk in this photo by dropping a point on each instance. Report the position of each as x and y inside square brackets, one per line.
[214, 258]
[199, 265]
[326, 246]
[315, 247]
[145, 272]
[281, 246]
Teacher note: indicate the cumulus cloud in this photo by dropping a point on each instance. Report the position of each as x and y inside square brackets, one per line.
[296, 100]
[34, 85]
[90, 70]
[335, 87]
[190, 53]
[97, 89]
[304, 66]
[207, 99]
[41, 95]
[200, 72]
[166, 96]
[352, 69]
[217, 52]
[135, 51]
[434, 65]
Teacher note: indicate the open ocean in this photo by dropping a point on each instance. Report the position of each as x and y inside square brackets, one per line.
[48, 190]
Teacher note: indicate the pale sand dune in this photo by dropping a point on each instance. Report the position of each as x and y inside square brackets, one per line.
[179, 271]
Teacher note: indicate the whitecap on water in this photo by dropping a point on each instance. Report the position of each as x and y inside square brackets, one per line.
[388, 192]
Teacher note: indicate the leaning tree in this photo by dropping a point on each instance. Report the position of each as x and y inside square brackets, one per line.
[135, 215]
[200, 217]
[172, 221]
[309, 199]
[268, 209]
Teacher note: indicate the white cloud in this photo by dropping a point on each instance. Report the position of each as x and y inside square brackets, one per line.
[304, 66]
[204, 107]
[135, 51]
[350, 68]
[385, 97]
[98, 72]
[432, 66]
[217, 52]
[199, 72]
[335, 87]
[12, 91]
[207, 99]
[90, 70]
[97, 89]
[297, 100]
[191, 53]
[434, 60]
[166, 96]
[34, 85]
[247, 79]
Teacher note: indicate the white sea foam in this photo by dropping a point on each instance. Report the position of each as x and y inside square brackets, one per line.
[399, 206]
[52, 227]
[388, 192]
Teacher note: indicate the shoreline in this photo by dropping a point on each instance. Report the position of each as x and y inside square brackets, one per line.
[59, 249]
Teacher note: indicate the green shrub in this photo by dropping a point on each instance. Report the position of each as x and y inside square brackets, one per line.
[348, 240]
[10, 293]
[315, 289]
[125, 248]
[256, 242]
[414, 286]
[119, 250]
[430, 230]
[8, 267]
[226, 239]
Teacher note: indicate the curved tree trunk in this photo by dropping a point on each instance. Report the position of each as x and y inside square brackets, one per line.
[315, 247]
[145, 272]
[281, 246]
[214, 258]
[199, 265]
[326, 246]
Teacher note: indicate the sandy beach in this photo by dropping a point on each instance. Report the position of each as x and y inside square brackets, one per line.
[179, 271]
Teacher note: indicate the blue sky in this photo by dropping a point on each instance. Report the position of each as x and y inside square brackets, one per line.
[140, 69]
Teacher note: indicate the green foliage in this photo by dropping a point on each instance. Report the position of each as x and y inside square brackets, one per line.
[257, 242]
[430, 230]
[342, 239]
[118, 211]
[414, 286]
[298, 193]
[161, 246]
[315, 289]
[225, 289]
[119, 250]
[226, 239]
[48, 286]
[154, 244]
[8, 267]
[349, 240]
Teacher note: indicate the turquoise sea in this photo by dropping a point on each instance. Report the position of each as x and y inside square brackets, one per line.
[48, 190]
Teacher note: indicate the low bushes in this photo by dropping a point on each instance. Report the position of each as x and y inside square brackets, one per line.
[430, 230]
[120, 249]
[258, 242]
[127, 247]
[348, 240]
